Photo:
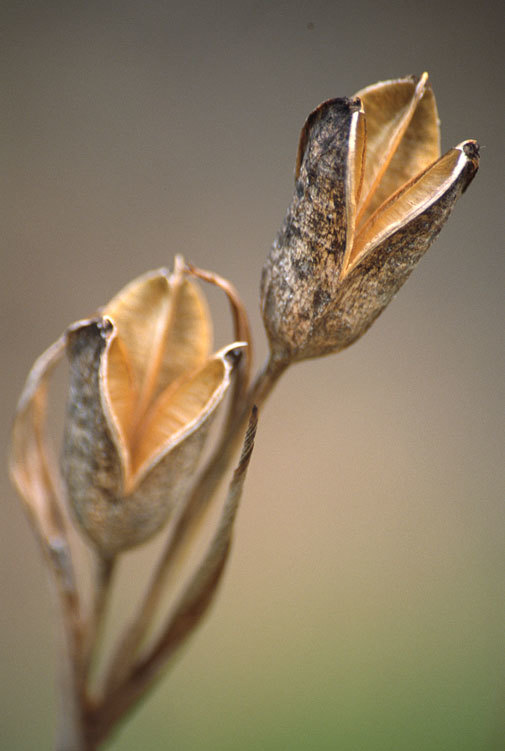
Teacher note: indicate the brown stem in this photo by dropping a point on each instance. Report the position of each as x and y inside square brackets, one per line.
[188, 525]
[104, 575]
[242, 333]
[71, 732]
[191, 606]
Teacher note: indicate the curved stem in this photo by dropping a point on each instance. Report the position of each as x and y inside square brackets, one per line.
[189, 523]
[71, 730]
[191, 606]
[103, 581]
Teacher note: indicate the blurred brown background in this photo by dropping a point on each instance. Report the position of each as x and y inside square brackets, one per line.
[363, 605]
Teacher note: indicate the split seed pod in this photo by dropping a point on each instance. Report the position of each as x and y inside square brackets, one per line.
[371, 194]
[143, 390]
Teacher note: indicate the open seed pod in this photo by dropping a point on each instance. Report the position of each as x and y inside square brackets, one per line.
[143, 390]
[371, 194]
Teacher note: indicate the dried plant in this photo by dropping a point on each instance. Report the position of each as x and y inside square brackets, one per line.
[371, 194]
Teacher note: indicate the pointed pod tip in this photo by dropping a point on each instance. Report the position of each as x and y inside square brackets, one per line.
[106, 326]
[471, 150]
[355, 103]
[422, 85]
[79, 333]
[235, 355]
[338, 109]
[179, 264]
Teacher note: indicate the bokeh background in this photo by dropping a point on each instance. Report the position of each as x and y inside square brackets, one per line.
[362, 609]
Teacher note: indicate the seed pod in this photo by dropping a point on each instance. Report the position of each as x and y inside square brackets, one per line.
[371, 195]
[143, 390]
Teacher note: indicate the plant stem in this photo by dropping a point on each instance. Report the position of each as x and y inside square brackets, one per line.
[197, 596]
[189, 524]
[86, 724]
[103, 581]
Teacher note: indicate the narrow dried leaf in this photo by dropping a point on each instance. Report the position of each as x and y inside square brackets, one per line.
[402, 137]
[35, 475]
[32, 469]
[242, 329]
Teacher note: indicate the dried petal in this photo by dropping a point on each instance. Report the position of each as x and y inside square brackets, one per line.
[318, 212]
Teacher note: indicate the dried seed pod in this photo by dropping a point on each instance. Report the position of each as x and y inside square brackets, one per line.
[143, 390]
[142, 394]
[371, 195]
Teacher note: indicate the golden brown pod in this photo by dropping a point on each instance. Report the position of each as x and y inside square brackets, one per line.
[143, 389]
[371, 195]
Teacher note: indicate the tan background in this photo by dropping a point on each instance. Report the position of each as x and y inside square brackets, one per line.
[362, 609]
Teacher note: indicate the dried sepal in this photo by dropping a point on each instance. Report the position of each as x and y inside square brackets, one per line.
[32, 468]
[34, 473]
[163, 331]
[300, 276]
[370, 189]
